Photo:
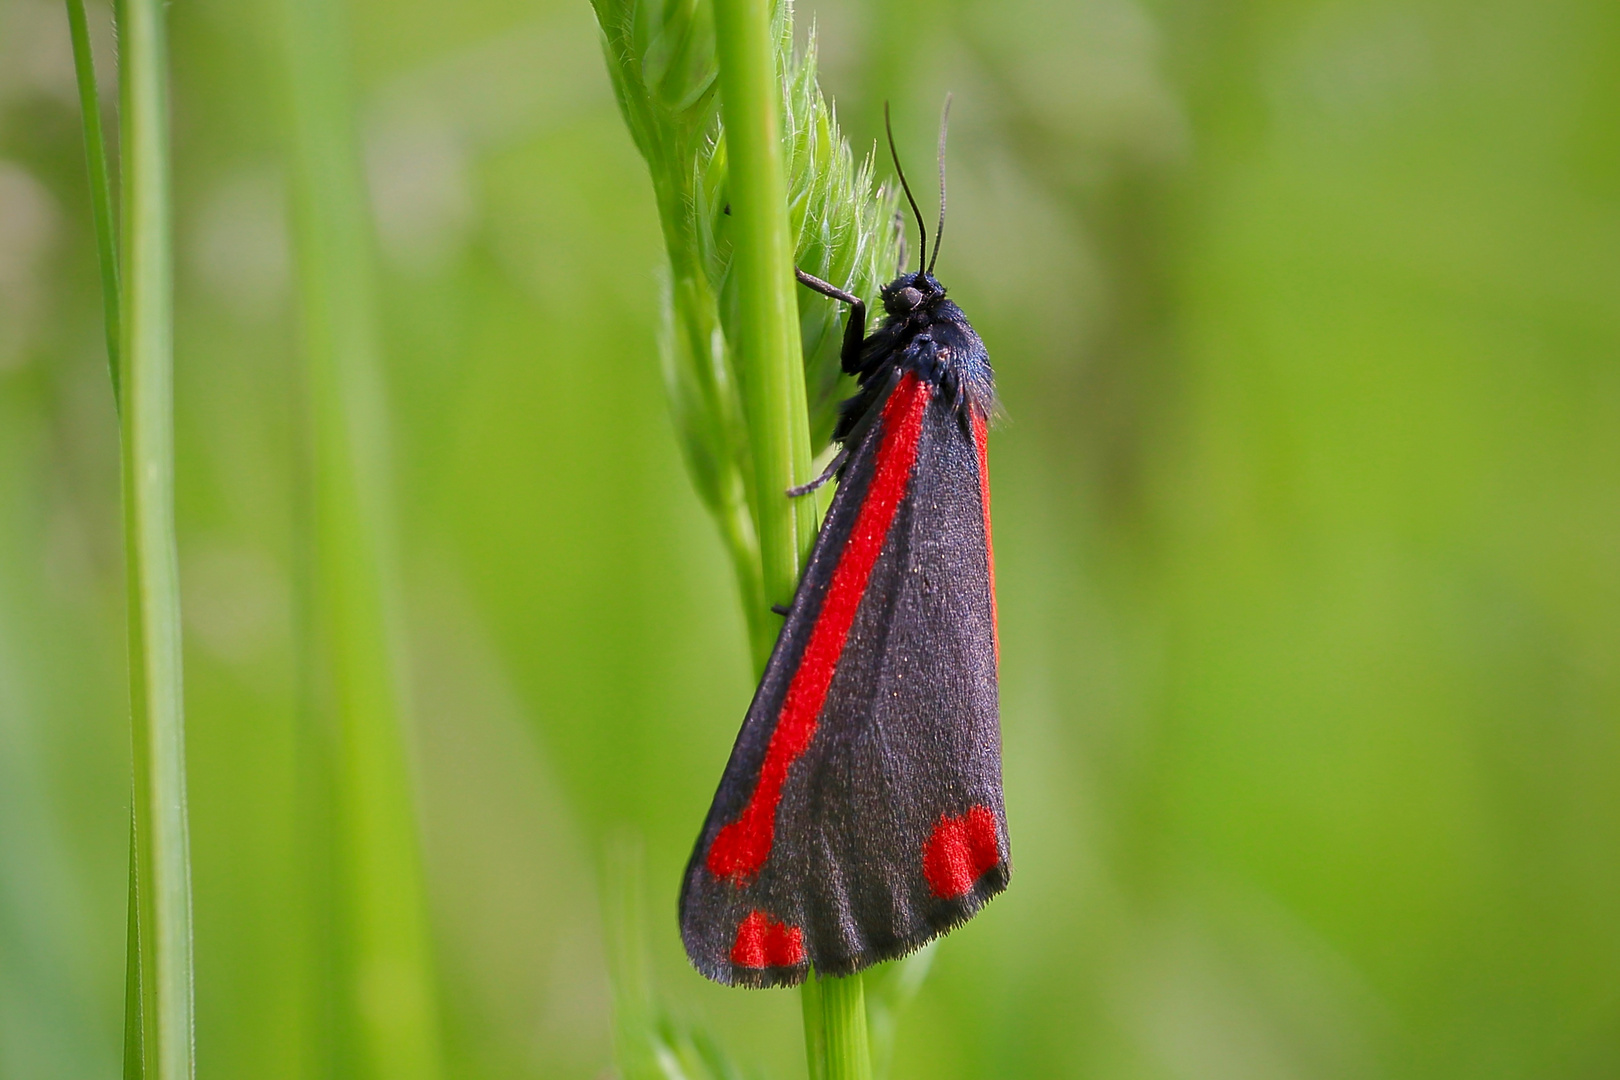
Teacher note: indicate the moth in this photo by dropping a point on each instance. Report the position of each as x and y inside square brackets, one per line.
[861, 812]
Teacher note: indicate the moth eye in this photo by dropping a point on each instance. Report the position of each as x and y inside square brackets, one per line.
[910, 298]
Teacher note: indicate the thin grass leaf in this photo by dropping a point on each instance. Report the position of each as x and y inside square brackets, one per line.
[102, 219]
[101, 199]
[134, 1056]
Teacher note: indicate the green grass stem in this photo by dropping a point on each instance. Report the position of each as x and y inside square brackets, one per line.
[390, 1000]
[770, 359]
[843, 1028]
[146, 350]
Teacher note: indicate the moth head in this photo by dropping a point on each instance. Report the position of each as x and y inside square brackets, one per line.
[911, 292]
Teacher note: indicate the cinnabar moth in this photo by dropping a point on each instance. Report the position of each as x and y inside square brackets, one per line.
[861, 812]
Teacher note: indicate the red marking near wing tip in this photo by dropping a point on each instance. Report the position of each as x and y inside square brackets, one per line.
[981, 439]
[960, 851]
[762, 943]
[742, 846]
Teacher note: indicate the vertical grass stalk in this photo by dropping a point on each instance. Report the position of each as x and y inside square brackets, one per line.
[771, 363]
[771, 369]
[391, 1004]
[162, 876]
[843, 1028]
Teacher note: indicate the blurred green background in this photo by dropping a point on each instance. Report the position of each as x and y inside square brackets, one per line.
[1307, 320]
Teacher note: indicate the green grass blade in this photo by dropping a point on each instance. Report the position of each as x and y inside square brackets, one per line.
[101, 211]
[770, 359]
[134, 1062]
[391, 996]
[101, 204]
[163, 871]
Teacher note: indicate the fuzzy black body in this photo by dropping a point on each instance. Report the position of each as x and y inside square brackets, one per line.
[926, 333]
[861, 812]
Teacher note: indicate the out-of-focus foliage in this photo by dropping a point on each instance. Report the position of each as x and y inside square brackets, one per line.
[650, 1043]
[1308, 535]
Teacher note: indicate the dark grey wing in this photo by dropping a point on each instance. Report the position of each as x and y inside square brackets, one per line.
[890, 826]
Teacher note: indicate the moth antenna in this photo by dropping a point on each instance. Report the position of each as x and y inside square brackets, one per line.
[939, 233]
[922, 230]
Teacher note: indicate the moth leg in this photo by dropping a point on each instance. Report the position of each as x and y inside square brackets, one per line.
[854, 329]
[780, 609]
[826, 474]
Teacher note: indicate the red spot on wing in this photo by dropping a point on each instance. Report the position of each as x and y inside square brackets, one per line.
[960, 851]
[762, 943]
[981, 439]
[743, 845]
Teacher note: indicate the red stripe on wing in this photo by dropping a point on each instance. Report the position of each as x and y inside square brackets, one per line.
[981, 439]
[742, 846]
